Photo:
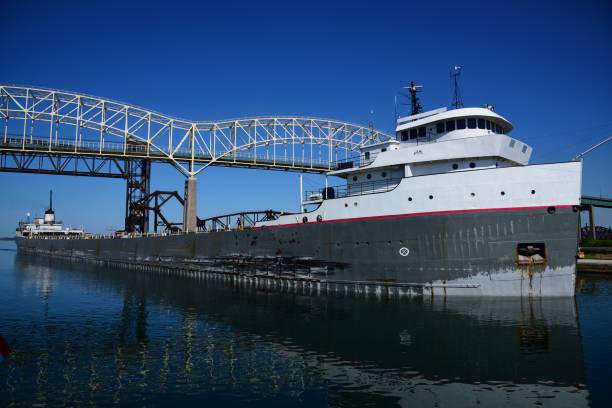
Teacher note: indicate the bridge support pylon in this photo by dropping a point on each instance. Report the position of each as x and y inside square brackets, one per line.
[190, 223]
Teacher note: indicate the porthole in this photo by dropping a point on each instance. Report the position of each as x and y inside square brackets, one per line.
[319, 218]
[503, 193]
[355, 204]
[304, 220]
[384, 174]
[346, 204]
[431, 197]
[455, 166]
[354, 178]
[473, 194]
[551, 210]
[532, 191]
[472, 165]
[369, 176]
[409, 198]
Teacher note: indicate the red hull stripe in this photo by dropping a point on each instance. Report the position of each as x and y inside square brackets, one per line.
[421, 214]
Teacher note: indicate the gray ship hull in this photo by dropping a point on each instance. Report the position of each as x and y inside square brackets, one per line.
[459, 253]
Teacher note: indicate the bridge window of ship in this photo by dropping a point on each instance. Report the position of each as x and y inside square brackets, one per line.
[488, 124]
[413, 133]
[405, 134]
[440, 127]
[481, 123]
[384, 174]
[461, 124]
[450, 125]
[471, 123]
[422, 132]
[367, 155]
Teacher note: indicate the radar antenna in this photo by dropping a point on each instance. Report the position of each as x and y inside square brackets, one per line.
[457, 101]
[415, 104]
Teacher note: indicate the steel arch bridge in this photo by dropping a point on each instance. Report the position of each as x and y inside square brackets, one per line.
[51, 131]
[59, 123]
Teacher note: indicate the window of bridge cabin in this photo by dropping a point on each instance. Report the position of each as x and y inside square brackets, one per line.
[450, 125]
[472, 123]
[413, 133]
[405, 135]
[440, 127]
[422, 131]
[488, 124]
[460, 123]
[481, 123]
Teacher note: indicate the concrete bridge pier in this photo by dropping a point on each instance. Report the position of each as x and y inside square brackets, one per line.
[190, 223]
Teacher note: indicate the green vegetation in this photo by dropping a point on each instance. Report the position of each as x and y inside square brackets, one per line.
[596, 243]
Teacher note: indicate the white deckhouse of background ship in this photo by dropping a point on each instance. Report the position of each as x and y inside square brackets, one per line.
[46, 226]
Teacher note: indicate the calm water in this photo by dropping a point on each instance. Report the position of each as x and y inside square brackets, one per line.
[86, 335]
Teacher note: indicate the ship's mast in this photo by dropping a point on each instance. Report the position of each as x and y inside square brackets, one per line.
[415, 104]
[457, 101]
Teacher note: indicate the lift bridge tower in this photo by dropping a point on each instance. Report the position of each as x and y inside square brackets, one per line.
[138, 173]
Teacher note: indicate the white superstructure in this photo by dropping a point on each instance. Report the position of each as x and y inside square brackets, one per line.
[46, 225]
[443, 161]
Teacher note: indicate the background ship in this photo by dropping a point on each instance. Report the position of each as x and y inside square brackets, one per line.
[46, 226]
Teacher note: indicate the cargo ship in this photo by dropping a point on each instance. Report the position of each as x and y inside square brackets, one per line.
[451, 206]
[46, 226]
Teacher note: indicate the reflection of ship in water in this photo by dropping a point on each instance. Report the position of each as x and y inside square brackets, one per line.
[458, 352]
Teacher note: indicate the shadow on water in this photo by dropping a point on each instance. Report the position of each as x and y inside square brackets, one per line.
[115, 336]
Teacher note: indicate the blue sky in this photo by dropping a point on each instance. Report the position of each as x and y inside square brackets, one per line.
[546, 66]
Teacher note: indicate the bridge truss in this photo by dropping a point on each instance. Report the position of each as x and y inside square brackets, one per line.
[57, 132]
[58, 122]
